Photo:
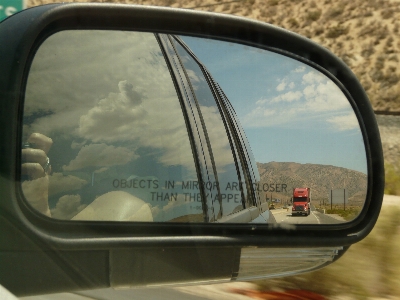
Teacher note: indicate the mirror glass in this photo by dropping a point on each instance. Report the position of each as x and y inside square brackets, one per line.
[147, 127]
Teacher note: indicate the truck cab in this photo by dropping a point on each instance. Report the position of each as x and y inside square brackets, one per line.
[301, 201]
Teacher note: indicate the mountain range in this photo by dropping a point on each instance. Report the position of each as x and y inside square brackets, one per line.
[321, 179]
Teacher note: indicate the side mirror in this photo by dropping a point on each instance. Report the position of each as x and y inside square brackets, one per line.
[134, 137]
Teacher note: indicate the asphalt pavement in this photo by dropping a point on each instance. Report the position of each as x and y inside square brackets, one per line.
[285, 216]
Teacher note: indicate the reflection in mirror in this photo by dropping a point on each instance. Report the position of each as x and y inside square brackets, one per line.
[132, 126]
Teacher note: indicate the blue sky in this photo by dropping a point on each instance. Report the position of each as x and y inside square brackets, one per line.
[290, 111]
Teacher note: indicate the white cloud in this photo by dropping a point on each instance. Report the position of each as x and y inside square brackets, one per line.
[344, 122]
[115, 117]
[288, 97]
[268, 113]
[313, 93]
[122, 94]
[99, 155]
[309, 91]
[299, 69]
[313, 77]
[67, 207]
[261, 101]
[130, 97]
[101, 170]
[77, 145]
[284, 84]
[193, 78]
[265, 117]
[145, 125]
[59, 183]
[63, 121]
[325, 97]
[281, 86]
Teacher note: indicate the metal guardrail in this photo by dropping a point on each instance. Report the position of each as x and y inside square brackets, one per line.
[387, 113]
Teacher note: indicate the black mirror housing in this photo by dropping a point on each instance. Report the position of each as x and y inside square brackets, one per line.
[25, 230]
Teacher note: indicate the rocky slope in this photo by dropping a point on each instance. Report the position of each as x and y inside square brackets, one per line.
[363, 33]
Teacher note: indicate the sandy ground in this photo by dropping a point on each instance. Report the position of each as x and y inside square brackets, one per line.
[391, 200]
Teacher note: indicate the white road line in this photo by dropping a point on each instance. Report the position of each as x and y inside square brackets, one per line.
[319, 222]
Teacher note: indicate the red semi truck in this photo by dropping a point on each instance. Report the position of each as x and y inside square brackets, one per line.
[301, 201]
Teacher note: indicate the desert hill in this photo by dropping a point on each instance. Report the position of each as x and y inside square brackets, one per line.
[320, 178]
[363, 33]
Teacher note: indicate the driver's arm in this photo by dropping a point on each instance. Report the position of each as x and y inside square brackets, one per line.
[36, 167]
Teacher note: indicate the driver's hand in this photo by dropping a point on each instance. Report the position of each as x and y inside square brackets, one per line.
[36, 167]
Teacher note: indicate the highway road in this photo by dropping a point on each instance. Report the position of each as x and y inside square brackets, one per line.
[285, 216]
